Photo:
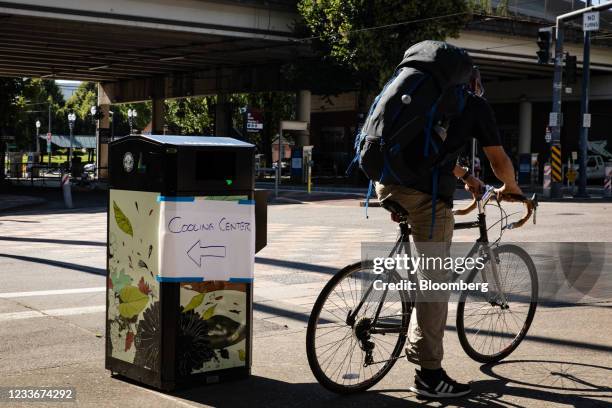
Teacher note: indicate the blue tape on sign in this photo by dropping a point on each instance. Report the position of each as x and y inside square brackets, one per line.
[175, 199]
[241, 280]
[248, 202]
[186, 279]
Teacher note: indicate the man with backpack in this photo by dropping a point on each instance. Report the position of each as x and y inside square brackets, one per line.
[408, 147]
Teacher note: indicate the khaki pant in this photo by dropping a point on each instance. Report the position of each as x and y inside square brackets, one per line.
[426, 334]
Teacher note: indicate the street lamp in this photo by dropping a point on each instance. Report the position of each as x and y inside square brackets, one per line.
[111, 115]
[71, 120]
[37, 134]
[131, 116]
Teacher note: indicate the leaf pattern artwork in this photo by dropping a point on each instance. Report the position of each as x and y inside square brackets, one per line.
[120, 280]
[123, 222]
[148, 339]
[194, 302]
[144, 287]
[133, 301]
[129, 339]
[209, 312]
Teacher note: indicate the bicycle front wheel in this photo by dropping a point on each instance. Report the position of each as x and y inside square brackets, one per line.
[350, 352]
[492, 324]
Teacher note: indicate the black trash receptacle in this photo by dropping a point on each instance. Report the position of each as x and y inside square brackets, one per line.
[163, 328]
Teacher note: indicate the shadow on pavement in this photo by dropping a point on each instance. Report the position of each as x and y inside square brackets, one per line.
[265, 392]
[59, 264]
[54, 241]
[302, 266]
[554, 375]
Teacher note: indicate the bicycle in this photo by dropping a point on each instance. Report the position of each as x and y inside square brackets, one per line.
[354, 336]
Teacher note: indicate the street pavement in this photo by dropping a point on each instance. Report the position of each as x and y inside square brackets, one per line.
[52, 266]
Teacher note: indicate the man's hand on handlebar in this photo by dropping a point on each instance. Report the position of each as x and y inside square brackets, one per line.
[474, 185]
[509, 190]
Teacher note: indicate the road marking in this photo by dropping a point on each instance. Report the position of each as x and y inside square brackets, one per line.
[10, 295]
[71, 311]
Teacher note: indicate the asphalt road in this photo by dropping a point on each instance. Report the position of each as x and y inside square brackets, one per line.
[52, 313]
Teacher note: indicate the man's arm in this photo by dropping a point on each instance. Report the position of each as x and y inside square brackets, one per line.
[503, 169]
[472, 184]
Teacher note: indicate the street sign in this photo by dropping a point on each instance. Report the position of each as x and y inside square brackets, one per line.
[574, 155]
[7, 138]
[104, 135]
[554, 119]
[586, 120]
[590, 21]
[548, 135]
[254, 120]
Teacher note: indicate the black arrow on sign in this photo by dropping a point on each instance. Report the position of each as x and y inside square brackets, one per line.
[197, 251]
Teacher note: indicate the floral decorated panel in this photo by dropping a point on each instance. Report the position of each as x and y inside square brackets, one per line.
[133, 297]
[212, 327]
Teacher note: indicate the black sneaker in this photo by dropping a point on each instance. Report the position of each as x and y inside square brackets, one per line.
[442, 387]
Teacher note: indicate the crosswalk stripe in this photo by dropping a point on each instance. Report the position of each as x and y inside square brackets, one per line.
[70, 311]
[11, 295]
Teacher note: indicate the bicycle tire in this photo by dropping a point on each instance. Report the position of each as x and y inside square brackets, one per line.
[311, 353]
[495, 357]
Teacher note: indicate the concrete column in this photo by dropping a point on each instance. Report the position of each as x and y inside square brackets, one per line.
[103, 129]
[525, 113]
[158, 106]
[157, 116]
[303, 107]
[223, 116]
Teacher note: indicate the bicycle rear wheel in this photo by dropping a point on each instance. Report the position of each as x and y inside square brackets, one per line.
[348, 355]
[490, 329]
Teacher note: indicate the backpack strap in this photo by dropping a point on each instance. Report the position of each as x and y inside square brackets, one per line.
[367, 199]
[435, 173]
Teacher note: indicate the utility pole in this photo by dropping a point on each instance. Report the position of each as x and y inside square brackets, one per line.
[584, 111]
[555, 120]
[556, 116]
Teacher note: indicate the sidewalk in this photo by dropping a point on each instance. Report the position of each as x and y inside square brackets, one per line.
[11, 201]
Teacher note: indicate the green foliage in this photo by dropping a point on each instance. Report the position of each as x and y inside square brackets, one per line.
[191, 116]
[23, 101]
[370, 37]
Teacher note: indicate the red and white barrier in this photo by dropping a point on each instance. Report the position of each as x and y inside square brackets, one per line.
[608, 182]
[547, 180]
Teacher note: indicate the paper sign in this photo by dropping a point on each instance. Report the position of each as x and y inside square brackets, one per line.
[203, 239]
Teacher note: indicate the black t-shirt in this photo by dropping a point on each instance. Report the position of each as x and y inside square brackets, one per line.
[477, 120]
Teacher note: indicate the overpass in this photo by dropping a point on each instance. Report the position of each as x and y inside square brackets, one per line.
[154, 50]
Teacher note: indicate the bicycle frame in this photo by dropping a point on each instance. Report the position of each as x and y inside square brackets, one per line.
[403, 244]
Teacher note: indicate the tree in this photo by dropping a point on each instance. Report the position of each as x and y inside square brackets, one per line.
[370, 37]
[190, 116]
[10, 89]
[32, 104]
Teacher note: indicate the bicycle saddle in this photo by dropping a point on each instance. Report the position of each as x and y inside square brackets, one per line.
[394, 207]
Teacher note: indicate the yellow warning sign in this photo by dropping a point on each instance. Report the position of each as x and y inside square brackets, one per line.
[555, 155]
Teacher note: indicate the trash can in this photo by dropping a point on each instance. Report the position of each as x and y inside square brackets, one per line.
[181, 244]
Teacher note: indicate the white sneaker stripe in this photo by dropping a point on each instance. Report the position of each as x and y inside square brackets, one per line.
[450, 389]
[440, 386]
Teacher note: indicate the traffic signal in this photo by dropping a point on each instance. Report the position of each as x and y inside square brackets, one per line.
[544, 41]
[570, 69]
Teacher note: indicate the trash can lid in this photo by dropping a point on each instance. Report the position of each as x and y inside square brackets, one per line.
[197, 140]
